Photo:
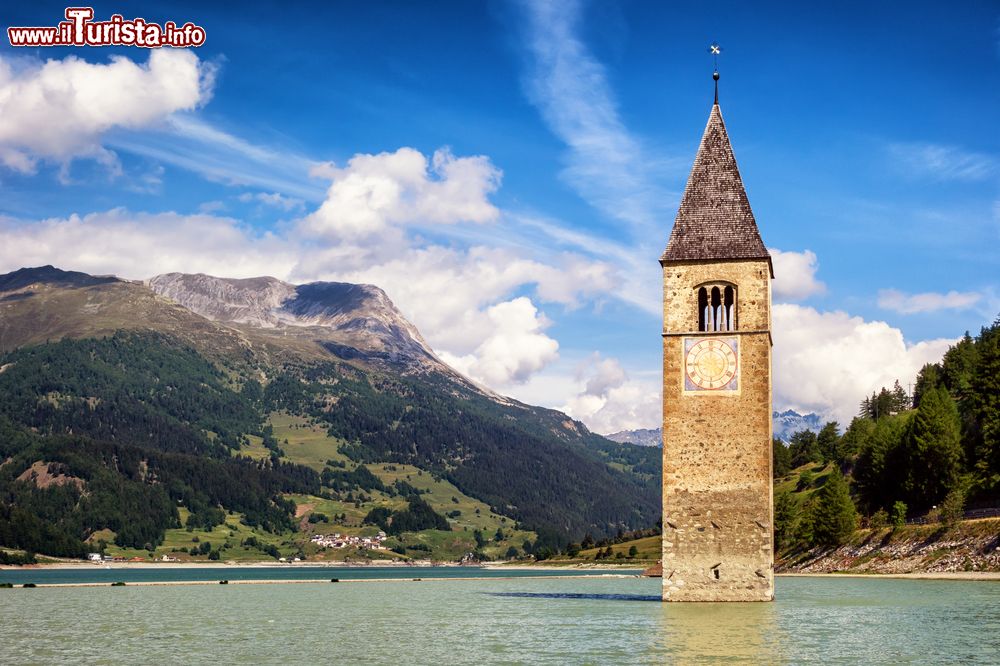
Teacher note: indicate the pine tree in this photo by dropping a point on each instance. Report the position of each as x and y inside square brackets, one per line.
[985, 408]
[803, 448]
[934, 449]
[880, 472]
[928, 378]
[781, 458]
[786, 518]
[958, 365]
[828, 441]
[855, 438]
[834, 517]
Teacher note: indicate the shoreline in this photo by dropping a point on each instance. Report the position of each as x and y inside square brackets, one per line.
[916, 575]
[599, 570]
[324, 581]
[423, 564]
[213, 565]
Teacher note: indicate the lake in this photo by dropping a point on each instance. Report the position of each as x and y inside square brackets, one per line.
[569, 619]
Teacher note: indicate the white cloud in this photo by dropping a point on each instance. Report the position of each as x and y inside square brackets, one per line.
[140, 245]
[795, 275]
[515, 349]
[826, 362]
[273, 199]
[59, 110]
[374, 192]
[897, 301]
[602, 375]
[460, 298]
[607, 400]
[942, 162]
[823, 362]
[445, 291]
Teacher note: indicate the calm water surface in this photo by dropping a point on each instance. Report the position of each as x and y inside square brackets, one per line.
[99, 574]
[568, 620]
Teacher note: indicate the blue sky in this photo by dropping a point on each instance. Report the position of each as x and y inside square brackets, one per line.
[300, 142]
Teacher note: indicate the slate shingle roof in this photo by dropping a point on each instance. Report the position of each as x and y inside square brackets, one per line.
[714, 220]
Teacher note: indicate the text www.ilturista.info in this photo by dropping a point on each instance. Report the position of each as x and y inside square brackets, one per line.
[79, 29]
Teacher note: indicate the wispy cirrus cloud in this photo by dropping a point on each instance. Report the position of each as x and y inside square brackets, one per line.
[929, 301]
[195, 145]
[607, 165]
[942, 162]
[273, 199]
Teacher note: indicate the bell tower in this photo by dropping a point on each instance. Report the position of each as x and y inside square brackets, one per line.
[717, 493]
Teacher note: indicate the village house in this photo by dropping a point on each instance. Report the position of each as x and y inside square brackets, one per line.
[338, 540]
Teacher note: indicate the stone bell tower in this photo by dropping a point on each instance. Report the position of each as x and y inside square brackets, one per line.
[717, 494]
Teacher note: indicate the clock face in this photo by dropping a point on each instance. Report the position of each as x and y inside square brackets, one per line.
[711, 364]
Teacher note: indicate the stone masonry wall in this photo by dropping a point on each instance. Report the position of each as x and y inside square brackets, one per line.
[717, 501]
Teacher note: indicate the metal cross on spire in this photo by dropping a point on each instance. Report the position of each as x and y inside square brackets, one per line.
[716, 51]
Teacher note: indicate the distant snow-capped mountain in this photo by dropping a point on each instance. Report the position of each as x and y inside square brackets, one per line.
[788, 422]
[640, 437]
[784, 423]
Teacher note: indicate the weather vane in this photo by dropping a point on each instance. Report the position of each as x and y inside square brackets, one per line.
[716, 51]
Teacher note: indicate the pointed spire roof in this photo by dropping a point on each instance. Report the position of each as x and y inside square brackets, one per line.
[715, 220]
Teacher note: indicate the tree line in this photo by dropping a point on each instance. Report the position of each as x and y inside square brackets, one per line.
[936, 451]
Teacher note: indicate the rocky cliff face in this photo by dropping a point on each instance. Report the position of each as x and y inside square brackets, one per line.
[340, 315]
[251, 301]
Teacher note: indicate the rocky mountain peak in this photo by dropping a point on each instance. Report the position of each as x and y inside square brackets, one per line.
[362, 315]
[239, 301]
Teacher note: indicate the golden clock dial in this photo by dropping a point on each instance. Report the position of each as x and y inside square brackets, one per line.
[711, 363]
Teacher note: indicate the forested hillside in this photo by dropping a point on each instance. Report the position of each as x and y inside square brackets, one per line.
[131, 427]
[935, 453]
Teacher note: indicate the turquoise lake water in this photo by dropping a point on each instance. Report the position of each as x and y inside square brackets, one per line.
[565, 620]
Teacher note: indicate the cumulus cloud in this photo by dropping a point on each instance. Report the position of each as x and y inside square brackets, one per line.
[795, 275]
[823, 362]
[607, 400]
[445, 290]
[374, 192]
[459, 297]
[826, 362]
[515, 349]
[140, 245]
[897, 301]
[58, 110]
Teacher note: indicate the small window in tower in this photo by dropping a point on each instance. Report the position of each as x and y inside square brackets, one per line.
[716, 572]
[718, 315]
[730, 307]
[703, 313]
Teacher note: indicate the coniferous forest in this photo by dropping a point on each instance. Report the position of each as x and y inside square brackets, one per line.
[120, 432]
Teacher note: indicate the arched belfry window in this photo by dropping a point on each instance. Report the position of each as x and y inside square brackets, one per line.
[717, 307]
[704, 312]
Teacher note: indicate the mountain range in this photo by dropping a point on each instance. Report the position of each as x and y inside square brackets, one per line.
[784, 423]
[145, 403]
